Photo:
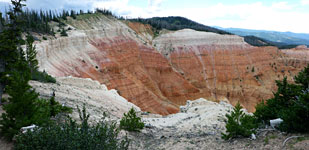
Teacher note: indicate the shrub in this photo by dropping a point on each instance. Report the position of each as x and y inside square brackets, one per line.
[290, 103]
[42, 77]
[239, 124]
[70, 135]
[25, 108]
[131, 122]
[63, 32]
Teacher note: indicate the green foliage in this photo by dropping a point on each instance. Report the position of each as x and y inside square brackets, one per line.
[31, 54]
[239, 124]
[63, 32]
[290, 103]
[131, 122]
[33, 63]
[252, 70]
[255, 41]
[303, 78]
[42, 77]
[282, 99]
[103, 11]
[23, 107]
[70, 135]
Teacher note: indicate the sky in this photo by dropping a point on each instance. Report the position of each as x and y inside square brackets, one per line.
[275, 15]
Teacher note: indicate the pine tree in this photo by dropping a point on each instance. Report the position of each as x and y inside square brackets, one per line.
[239, 124]
[10, 39]
[131, 122]
[31, 54]
[22, 108]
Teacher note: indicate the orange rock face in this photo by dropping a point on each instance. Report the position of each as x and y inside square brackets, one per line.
[160, 74]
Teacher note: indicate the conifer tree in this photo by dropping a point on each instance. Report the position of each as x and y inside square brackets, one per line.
[10, 39]
[23, 107]
[31, 54]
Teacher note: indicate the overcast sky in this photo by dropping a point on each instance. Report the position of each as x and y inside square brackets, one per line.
[278, 15]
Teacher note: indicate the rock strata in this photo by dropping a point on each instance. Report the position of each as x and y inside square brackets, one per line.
[159, 73]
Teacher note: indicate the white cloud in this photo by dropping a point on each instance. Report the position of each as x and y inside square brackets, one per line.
[282, 6]
[154, 5]
[305, 2]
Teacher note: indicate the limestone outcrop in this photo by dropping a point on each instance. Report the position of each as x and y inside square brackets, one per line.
[158, 73]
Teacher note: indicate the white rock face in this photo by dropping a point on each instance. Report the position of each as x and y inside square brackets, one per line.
[75, 92]
[199, 114]
[169, 42]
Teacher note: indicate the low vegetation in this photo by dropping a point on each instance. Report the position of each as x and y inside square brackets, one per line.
[70, 135]
[131, 122]
[239, 124]
[290, 103]
[23, 106]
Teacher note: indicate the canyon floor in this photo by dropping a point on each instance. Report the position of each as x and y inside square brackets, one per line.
[197, 126]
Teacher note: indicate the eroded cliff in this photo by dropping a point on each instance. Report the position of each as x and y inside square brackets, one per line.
[160, 73]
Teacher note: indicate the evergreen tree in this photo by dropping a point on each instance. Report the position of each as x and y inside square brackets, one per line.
[21, 110]
[10, 39]
[239, 124]
[31, 54]
[290, 103]
[131, 122]
[24, 107]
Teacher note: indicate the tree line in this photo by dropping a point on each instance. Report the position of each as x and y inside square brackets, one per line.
[176, 23]
[38, 20]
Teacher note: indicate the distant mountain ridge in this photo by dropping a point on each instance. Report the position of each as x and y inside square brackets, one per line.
[178, 23]
[289, 38]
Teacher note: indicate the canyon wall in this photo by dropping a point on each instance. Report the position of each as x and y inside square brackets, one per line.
[160, 74]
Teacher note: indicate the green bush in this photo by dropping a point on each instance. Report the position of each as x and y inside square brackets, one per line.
[239, 124]
[42, 77]
[290, 103]
[63, 32]
[70, 135]
[131, 122]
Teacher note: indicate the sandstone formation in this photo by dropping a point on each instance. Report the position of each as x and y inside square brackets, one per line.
[160, 73]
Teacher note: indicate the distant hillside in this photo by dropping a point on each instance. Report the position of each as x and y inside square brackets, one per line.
[177, 23]
[289, 38]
